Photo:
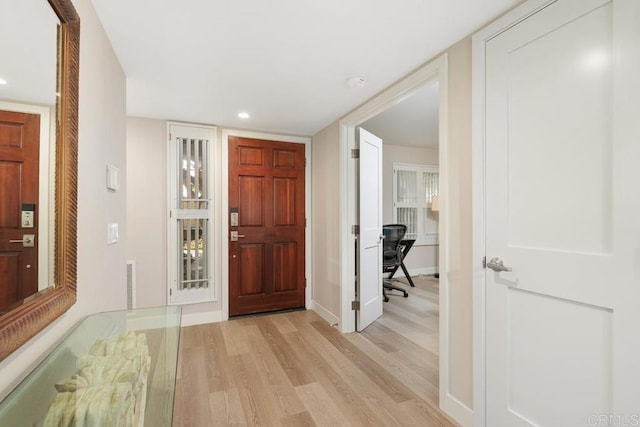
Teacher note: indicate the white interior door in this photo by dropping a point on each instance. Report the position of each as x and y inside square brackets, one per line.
[370, 219]
[562, 211]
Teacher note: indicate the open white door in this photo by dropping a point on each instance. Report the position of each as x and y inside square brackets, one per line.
[370, 238]
[562, 208]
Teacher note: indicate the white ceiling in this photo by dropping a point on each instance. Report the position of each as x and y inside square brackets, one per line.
[285, 62]
[412, 122]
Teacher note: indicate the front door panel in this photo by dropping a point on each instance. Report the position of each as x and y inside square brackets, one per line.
[267, 246]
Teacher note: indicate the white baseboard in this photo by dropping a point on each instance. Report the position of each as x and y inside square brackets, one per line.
[425, 271]
[324, 313]
[191, 319]
[457, 410]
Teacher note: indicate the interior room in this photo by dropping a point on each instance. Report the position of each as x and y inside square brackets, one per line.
[183, 185]
[409, 133]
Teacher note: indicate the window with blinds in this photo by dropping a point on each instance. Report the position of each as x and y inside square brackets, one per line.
[191, 214]
[413, 189]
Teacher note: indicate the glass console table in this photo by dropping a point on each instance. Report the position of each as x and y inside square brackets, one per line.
[113, 368]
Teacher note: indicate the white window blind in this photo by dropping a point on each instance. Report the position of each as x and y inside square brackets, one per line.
[413, 189]
[191, 214]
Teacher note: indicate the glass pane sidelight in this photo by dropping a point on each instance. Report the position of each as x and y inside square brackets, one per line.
[192, 187]
[193, 268]
[192, 237]
[192, 195]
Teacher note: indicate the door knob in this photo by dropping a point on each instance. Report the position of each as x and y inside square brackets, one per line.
[496, 264]
[235, 236]
[28, 240]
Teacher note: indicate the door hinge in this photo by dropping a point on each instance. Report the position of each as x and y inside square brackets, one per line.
[169, 136]
[484, 262]
[305, 162]
[355, 153]
[355, 305]
[170, 291]
[305, 222]
[305, 282]
[355, 229]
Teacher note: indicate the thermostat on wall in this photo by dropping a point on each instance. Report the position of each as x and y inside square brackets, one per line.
[113, 178]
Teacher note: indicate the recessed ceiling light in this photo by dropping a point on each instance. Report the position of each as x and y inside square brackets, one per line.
[243, 115]
[3, 81]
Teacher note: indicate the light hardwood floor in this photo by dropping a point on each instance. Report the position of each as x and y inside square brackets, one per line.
[416, 317]
[293, 369]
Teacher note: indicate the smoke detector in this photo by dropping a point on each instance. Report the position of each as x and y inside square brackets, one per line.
[357, 81]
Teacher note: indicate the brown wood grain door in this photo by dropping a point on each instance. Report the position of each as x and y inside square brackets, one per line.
[19, 152]
[267, 188]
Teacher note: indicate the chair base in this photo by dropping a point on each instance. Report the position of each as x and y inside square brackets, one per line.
[387, 285]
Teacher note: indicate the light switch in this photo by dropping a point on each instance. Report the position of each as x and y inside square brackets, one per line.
[112, 234]
[113, 178]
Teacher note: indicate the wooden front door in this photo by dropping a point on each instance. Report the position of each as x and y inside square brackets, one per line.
[19, 149]
[267, 195]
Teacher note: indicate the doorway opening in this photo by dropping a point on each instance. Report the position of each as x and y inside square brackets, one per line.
[410, 177]
[434, 73]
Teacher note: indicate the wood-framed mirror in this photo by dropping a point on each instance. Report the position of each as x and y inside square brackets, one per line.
[32, 314]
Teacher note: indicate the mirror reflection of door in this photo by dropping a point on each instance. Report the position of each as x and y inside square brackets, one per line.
[19, 154]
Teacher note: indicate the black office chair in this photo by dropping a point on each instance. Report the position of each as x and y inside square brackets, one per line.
[392, 254]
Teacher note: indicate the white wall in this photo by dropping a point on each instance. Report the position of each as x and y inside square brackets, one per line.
[147, 208]
[102, 133]
[460, 272]
[421, 259]
[325, 205]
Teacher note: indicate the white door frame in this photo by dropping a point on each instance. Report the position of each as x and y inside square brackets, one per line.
[434, 71]
[478, 206]
[226, 133]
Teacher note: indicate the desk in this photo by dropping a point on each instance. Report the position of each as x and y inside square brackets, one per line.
[405, 246]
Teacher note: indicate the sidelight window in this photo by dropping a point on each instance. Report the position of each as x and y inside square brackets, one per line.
[190, 214]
